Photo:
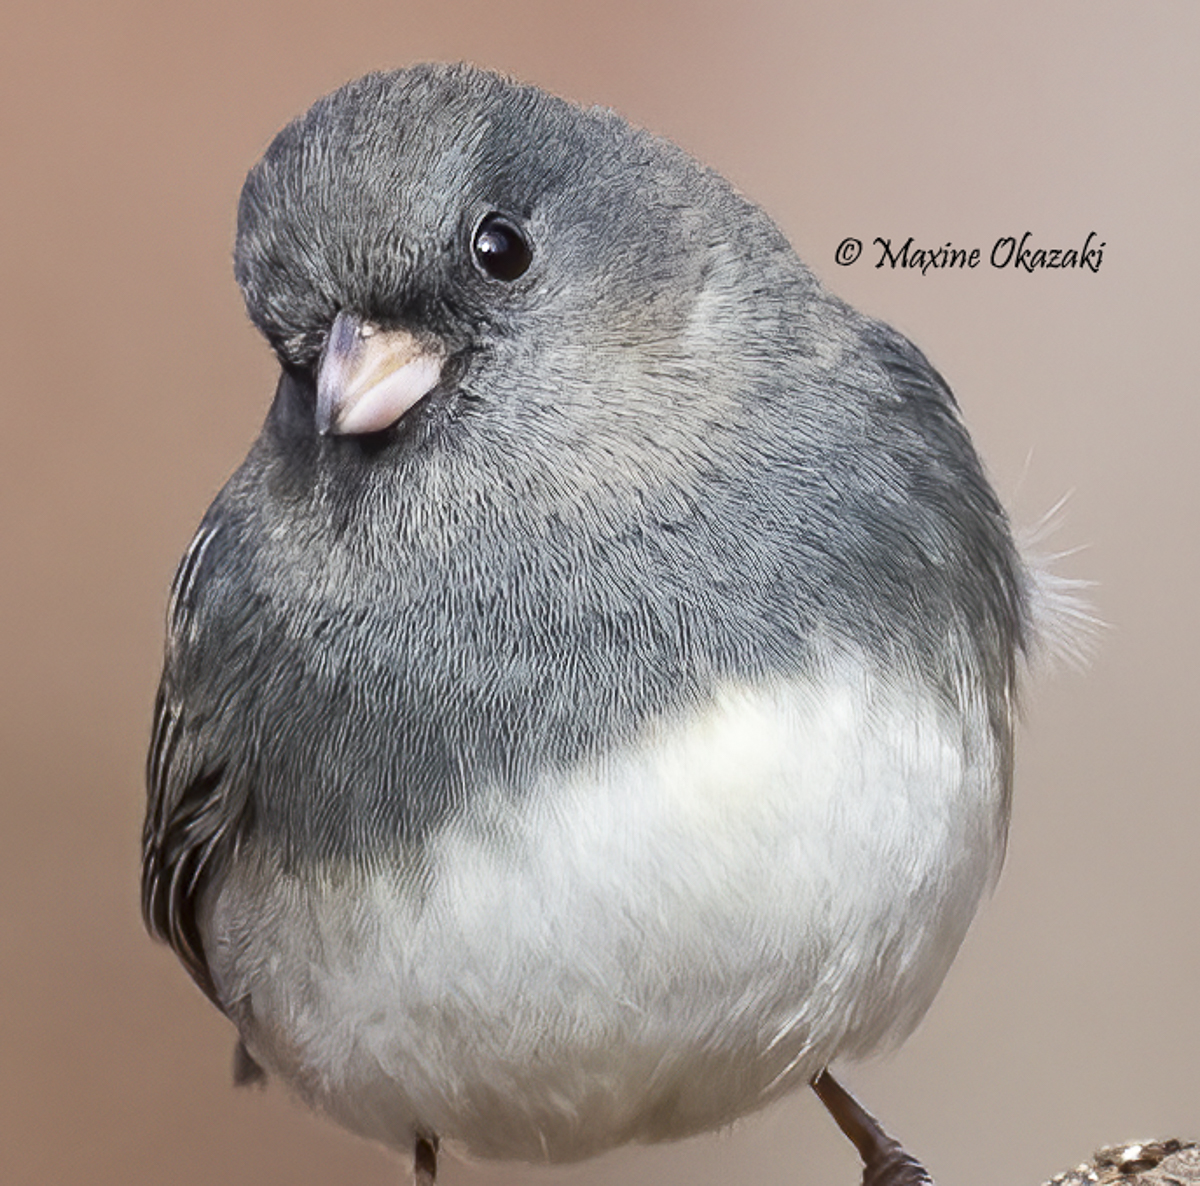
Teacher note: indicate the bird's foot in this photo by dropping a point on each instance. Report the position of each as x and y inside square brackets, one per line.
[896, 1168]
[885, 1163]
[425, 1161]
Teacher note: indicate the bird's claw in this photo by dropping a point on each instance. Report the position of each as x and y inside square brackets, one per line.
[895, 1167]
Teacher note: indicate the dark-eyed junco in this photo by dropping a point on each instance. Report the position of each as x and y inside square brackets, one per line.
[588, 710]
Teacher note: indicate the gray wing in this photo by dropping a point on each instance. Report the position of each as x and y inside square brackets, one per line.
[195, 812]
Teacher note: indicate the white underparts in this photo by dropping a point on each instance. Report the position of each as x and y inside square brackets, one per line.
[639, 951]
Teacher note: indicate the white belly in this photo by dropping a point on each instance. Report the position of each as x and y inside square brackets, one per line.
[636, 952]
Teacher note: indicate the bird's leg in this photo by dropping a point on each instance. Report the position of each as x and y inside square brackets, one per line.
[425, 1161]
[884, 1161]
[246, 1072]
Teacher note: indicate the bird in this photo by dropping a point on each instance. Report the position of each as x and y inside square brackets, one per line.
[587, 713]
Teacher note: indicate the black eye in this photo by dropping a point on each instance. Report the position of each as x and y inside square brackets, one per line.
[501, 249]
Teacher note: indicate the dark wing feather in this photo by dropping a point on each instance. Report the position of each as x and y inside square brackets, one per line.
[195, 813]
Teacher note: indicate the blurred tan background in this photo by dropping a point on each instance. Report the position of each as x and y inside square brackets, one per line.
[132, 386]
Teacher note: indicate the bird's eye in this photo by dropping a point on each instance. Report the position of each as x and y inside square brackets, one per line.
[500, 247]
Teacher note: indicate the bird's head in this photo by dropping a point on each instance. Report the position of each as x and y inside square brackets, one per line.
[441, 247]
